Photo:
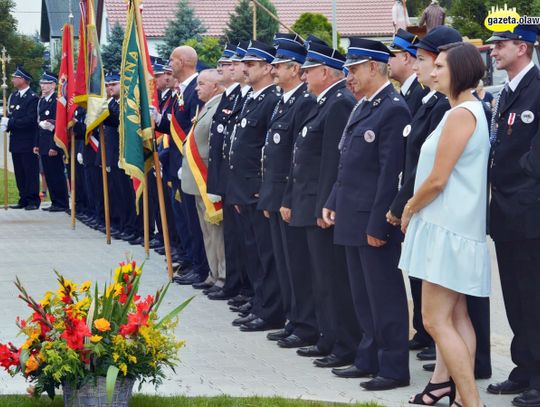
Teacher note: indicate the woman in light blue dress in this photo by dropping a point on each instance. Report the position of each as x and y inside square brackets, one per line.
[445, 221]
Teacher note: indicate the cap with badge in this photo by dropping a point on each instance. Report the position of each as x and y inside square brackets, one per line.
[167, 67]
[288, 49]
[48, 77]
[20, 72]
[158, 68]
[228, 53]
[241, 50]
[403, 42]
[259, 51]
[526, 33]
[438, 37]
[288, 37]
[320, 53]
[113, 77]
[362, 50]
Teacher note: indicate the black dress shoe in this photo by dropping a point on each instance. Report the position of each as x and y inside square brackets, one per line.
[238, 300]
[127, 237]
[184, 276]
[17, 206]
[160, 250]
[333, 361]
[212, 289]
[155, 243]
[189, 280]
[429, 367]
[46, 209]
[529, 398]
[293, 341]
[427, 354]
[54, 208]
[101, 228]
[242, 308]
[384, 383]
[139, 240]
[116, 234]
[31, 208]
[276, 336]
[258, 325]
[311, 351]
[508, 387]
[351, 372]
[219, 295]
[415, 344]
[202, 286]
[244, 320]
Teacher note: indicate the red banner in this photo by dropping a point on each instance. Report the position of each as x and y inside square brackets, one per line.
[81, 78]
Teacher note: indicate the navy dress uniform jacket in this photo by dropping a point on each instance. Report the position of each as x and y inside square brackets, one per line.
[277, 152]
[414, 96]
[423, 123]
[112, 137]
[245, 154]
[22, 124]
[369, 166]
[47, 112]
[218, 132]
[515, 164]
[316, 156]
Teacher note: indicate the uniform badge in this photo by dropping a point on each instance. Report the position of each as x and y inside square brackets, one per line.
[304, 131]
[406, 130]
[220, 128]
[12, 107]
[227, 111]
[369, 136]
[376, 102]
[527, 117]
[306, 95]
[396, 99]
[277, 138]
[47, 112]
[17, 107]
[169, 116]
[511, 120]
[243, 123]
[339, 94]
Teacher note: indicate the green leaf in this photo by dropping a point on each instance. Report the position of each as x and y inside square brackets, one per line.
[25, 354]
[162, 293]
[112, 374]
[174, 312]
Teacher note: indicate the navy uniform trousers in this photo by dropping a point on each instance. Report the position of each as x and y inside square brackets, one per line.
[54, 170]
[26, 168]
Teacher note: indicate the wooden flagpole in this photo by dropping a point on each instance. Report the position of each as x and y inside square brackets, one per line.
[146, 221]
[73, 188]
[105, 183]
[5, 58]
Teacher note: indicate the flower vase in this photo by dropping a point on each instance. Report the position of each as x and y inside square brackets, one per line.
[94, 394]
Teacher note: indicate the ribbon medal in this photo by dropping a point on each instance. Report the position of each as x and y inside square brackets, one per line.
[511, 120]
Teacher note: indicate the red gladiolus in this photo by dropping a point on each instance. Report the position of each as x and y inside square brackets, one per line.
[45, 326]
[9, 356]
[137, 319]
[76, 331]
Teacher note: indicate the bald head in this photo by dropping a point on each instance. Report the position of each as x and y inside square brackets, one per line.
[209, 84]
[183, 62]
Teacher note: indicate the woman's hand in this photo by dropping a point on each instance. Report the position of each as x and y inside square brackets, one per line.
[406, 218]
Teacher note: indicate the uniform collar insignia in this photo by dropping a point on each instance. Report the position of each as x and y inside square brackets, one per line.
[323, 99]
[376, 102]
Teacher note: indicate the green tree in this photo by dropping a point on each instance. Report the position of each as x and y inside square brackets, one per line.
[111, 53]
[23, 49]
[316, 24]
[523, 7]
[183, 27]
[209, 50]
[240, 25]
[468, 18]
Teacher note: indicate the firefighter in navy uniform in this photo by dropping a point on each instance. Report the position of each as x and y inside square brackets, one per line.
[372, 145]
[514, 220]
[21, 124]
[82, 197]
[52, 156]
[313, 172]
[243, 185]
[290, 250]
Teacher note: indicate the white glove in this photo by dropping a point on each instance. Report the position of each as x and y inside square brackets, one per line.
[2, 128]
[155, 115]
[42, 124]
[5, 121]
[214, 198]
[80, 158]
[45, 125]
[108, 169]
[179, 173]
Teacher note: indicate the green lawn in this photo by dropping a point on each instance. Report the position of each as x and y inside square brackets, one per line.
[154, 401]
[13, 193]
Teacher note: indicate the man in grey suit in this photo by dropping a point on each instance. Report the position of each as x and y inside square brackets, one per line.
[195, 163]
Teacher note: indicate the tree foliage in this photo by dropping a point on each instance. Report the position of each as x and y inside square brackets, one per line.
[183, 27]
[23, 49]
[316, 24]
[208, 50]
[468, 18]
[416, 7]
[240, 25]
[111, 53]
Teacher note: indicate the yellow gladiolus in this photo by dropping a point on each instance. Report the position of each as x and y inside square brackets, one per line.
[96, 338]
[85, 286]
[102, 325]
[47, 299]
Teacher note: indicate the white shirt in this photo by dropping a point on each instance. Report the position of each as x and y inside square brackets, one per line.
[164, 93]
[48, 97]
[287, 95]
[186, 83]
[407, 84]
[378, 91]
[23, 91]
[231, 88]
[255, 95]
[245, 90]
[324, 92]
[517, 79]
[426, 98]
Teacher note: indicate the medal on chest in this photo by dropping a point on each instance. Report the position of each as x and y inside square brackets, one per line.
[511, 120]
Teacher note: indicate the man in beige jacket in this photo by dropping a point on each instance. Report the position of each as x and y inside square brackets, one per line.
[209, 90]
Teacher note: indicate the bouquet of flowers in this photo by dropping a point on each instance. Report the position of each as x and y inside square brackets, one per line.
[78, 333]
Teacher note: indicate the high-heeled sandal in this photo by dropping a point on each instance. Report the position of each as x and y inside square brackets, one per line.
[451, 394]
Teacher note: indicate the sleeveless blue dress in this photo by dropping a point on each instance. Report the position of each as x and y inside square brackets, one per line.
[445, 242]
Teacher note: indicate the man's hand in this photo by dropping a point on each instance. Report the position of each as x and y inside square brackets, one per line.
[285, 214]
[374, 242]
[393, 220]
[53, 153]
[322, 224]
[329, 216]
[266, 214]
[35, 150]
[80, 158]
[213, 198]
[179, 173]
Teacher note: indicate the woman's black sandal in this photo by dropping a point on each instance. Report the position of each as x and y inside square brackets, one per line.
[451, 394]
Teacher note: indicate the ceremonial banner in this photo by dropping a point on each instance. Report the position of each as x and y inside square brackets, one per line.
[136, 95]
[97, 108]
[81, 78]
[65, 106]
[177, 133]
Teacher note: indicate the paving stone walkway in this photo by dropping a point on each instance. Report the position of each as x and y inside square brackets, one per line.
[218, 359]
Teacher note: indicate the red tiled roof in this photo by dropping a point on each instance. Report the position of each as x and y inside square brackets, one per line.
[354, 17]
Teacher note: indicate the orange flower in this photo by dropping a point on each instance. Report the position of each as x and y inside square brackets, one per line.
[102, 325]
[31, 364]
